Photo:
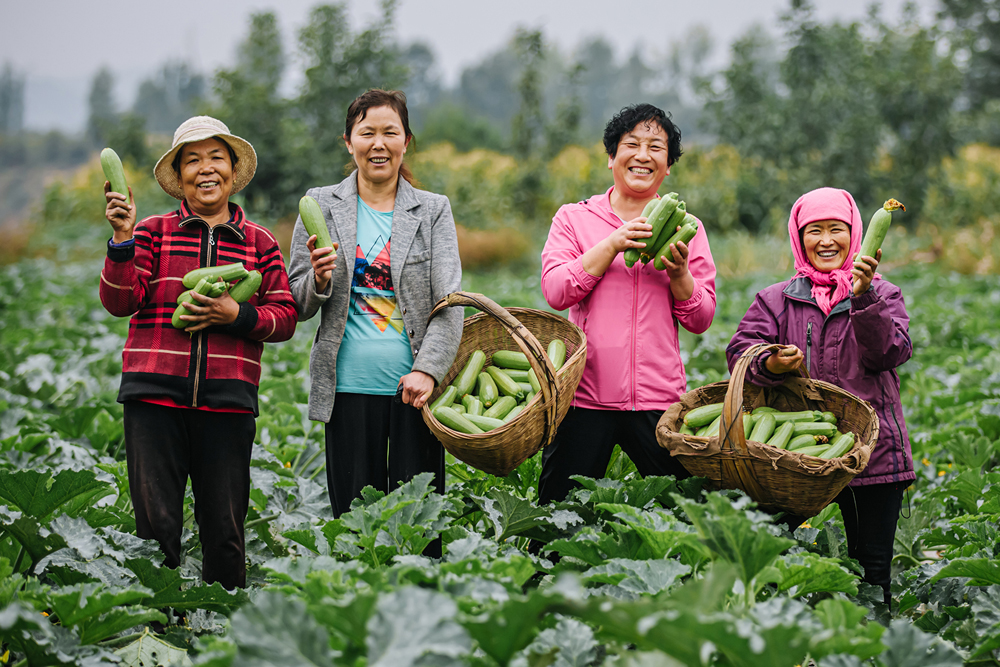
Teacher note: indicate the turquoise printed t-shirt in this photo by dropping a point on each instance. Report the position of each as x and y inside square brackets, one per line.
[375, 352]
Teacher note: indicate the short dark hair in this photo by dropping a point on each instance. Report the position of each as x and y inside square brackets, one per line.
[376, 97]
[176, 164]
[630, 117]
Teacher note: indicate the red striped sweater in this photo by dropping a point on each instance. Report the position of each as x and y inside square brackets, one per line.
[217, 367]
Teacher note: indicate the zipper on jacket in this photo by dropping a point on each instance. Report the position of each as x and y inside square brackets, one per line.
[197, 372]
[633, 327]
[211, 237]
[809, 339]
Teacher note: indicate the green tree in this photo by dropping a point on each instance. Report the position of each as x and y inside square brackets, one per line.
[340, 65]
[101, 104]
[170, 97]
[11, 100]
[252, 106]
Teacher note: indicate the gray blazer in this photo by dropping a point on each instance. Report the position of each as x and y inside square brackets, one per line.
[425, 267]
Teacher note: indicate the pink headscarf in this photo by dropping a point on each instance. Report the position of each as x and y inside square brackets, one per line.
[826, 204]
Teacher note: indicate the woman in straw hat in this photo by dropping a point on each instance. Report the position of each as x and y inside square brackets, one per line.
[190, 396]
[374, 340]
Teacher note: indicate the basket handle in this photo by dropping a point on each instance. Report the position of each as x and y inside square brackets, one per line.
[735, 470]
[537, 357]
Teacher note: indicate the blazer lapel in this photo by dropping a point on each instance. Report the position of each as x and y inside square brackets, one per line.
[405, 223]
[344, 213]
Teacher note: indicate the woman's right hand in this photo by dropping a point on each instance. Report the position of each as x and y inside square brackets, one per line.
[323, 262]
[119, 213]
[628, 235]
[785, 360]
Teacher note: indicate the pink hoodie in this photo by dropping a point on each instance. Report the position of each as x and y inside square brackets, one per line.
[629, 315]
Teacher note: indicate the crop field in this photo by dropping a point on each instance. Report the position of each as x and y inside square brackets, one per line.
[626, 571]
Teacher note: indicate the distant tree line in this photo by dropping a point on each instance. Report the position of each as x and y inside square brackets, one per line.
[872, 105]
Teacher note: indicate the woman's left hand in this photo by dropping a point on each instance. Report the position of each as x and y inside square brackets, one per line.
[210, 312]
[864, 271]
[417, 388]
[675, 260]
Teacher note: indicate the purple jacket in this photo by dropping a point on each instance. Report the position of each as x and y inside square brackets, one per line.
[857, 347]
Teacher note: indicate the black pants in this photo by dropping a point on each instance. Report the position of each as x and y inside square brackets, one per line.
[164, 447]
[375, 441]
[585, 441]
[870, 514]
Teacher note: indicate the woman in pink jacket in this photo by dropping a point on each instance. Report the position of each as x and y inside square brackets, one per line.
[630, 315]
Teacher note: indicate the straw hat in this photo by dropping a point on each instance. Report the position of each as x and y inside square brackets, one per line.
[200, 128]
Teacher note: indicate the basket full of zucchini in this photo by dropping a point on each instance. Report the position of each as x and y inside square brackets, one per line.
[792, 447]
[511, 383]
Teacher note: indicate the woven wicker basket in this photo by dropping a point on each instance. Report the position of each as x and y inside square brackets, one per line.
[777, 479]
[504, 448]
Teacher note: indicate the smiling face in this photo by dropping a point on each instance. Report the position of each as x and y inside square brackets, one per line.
[827, 244]
[640, 164]
[206, 175]
[378, 143]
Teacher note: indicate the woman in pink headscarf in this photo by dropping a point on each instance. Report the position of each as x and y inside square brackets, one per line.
[846, 325]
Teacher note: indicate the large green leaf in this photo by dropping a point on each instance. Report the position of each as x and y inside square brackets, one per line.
[510, 515]
[414, 626]
[151, 651]
[980, 571]
[36, 540]
[909, 647]
[510, 626]
[571, 644]
[662, 533]
[276, 630]
[170, 589]
[74, 605]
[637, 576]
[733, 537]
[986, 613]
[805, 574]
[38, 494]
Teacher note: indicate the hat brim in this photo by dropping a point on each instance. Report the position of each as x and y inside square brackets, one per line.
[243, 170]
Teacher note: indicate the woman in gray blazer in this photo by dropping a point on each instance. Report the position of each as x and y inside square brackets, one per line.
[374, 341]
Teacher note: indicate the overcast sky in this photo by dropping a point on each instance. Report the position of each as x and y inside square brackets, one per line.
[59, 44]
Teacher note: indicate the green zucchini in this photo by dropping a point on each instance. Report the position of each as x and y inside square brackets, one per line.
[517, 375]
[458, 407]
[829, 417]
[684, 235]
[840, 446]
[764, 408]
[710, 429]
[455, 421]
[801, 416]
[514, 411]
[557, 353]
[631, 255]
[511, 359]
[446, 398]
[815, 428]
[533, 381]
[499, 410]
[314, 222]
[764, 428]
[685, 429]
[473, 406]
[668, 228]
[115, 173]
[465, 381]
[504, 384]
[246, 288]
[800, 441]
[203, 287]
[487, 389]
[748, 422]
[483, 422]
[814, 450]
[227, 272]
[660, 216]
[878, 227]
[526, 388]
[703, 415]
[781, 435]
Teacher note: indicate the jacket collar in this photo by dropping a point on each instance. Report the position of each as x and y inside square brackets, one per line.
[235, 224]
[800, 289]
[406, 197]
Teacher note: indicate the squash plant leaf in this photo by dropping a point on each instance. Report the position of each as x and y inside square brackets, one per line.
[170, 589]
[986, 612]
[37, 541]
[276, 630]
[415, 626]
[571, 643]
[637, 576]
[980, 571]
[909, 647]
[510, 626]
[151, 650]
[807, 573]
[509, 514]
[37, 493]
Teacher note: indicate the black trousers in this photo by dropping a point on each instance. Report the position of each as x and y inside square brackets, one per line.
[375, 441]
[585, 441]
[870, 514]
[164, 446]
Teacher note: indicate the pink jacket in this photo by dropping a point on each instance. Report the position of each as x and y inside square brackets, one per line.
[629, 315]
